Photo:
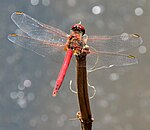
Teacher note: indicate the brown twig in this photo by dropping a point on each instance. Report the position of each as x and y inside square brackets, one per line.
[84, 115]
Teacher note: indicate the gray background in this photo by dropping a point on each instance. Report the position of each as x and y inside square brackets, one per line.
[122, 101]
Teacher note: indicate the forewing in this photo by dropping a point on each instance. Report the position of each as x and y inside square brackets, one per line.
[117, 43]
[42, 48]
[109, 59]
[37, 30]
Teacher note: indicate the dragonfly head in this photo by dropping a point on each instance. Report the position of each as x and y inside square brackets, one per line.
[79, 28]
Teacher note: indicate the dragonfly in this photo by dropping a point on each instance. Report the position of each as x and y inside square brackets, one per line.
[46, 40]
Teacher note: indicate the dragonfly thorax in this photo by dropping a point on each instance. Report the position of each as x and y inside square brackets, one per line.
[77, 43]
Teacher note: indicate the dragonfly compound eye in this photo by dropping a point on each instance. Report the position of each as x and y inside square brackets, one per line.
[78, 27]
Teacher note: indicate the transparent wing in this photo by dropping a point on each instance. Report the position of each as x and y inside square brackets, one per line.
[110, 59]
[37, 30]
[42, 48]
[117, 43]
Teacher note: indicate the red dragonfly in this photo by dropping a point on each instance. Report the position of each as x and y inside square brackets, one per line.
[46, 40]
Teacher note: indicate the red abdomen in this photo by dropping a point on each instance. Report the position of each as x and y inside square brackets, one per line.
[62, 72]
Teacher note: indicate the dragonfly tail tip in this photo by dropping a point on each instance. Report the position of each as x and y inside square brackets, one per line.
[54, 94]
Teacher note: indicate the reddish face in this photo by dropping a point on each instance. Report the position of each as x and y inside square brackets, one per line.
[78, 27]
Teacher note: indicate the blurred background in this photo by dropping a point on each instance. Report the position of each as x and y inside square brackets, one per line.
[122, 101]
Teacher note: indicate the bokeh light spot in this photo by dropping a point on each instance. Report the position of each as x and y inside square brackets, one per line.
[22, 102]
[103, 103]
[20, 94]
[13, 95]
[44, 118]
[46, 2]
[71, 2]
[30, 96]
[21, 86]
[142, 49]
[96, 10]
[139, 11]
[34, 2]
[114, 76]
[27, 83]
[33, 122]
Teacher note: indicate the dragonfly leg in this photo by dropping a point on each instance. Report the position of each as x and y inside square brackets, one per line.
[85, 49]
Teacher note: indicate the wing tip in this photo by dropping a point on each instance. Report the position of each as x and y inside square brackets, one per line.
[12, 35]
[136, 35]
[139, 37]
[133, 58]
[13, 16]
[18, 12]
